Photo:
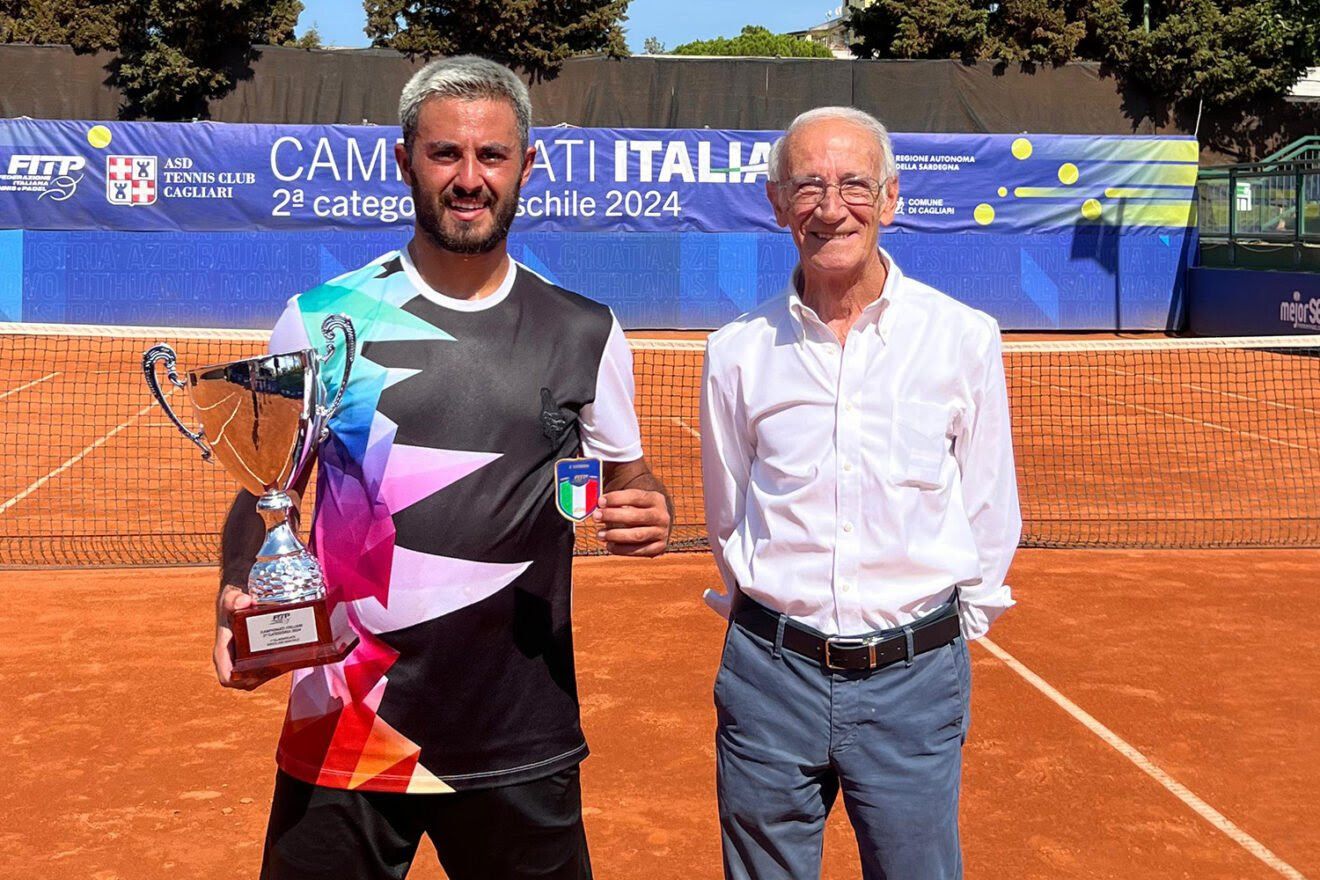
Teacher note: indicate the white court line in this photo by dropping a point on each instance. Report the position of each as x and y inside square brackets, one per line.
[673, 420]
[1146, 765]
[686, 427]
[1160, 412]
[1157, 380]
[29, 385]
[74, 460]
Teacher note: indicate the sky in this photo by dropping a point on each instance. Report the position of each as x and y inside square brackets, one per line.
[340, 22]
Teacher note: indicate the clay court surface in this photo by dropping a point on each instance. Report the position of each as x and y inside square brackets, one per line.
[1141, 714]
[125, 761]
[1138, 448]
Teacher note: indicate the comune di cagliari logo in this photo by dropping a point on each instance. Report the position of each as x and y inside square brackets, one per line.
[1301, 315]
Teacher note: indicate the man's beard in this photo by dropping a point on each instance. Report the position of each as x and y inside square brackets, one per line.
[461, 239]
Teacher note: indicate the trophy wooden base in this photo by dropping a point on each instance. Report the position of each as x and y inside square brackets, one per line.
[273, 639]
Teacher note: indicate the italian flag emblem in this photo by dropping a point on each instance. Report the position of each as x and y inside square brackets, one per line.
[577, 487]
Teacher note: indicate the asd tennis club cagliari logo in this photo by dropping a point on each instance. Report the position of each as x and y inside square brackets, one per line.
[130, 180]
[1299, 314]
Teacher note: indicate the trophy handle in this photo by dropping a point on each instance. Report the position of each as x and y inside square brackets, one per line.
[150, 357]
[350, 351]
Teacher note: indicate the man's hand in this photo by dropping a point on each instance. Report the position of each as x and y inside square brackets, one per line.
[240, 542]
[633, 522]
[232, 599]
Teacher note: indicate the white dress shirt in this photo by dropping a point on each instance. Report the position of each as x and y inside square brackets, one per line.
[853, 487]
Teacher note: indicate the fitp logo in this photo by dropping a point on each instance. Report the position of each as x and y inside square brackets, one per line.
[46, 175]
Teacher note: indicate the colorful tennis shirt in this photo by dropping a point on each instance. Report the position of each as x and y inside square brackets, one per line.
[436, 526]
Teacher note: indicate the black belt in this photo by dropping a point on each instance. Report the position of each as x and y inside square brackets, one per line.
[850, 653]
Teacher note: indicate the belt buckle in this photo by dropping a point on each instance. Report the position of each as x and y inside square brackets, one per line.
[854, 642]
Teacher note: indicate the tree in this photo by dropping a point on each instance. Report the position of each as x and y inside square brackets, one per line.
[1029, 32]
[1223, 64]
[175, 56]
[1225, 52]
[1224, 69]
[531, 35]
[1220, 67]
[85, 26]
[172, 56]
[653, 46]
[1035, 32]
[931, 29]
[1229, 55]
[756, 42]
[311, 39]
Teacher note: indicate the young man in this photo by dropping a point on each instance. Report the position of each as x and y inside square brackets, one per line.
[862, 508]
[456, 715]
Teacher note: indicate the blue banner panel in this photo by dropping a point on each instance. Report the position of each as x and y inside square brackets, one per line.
[1252, 302]
[11, 275]
[233, 279]
[206, 223]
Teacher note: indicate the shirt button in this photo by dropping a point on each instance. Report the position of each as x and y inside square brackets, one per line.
[847, 587]
[847, 527]
[848, 406]
[847, 466]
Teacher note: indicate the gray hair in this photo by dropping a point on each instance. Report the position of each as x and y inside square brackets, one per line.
[857, 117]
[468, 77]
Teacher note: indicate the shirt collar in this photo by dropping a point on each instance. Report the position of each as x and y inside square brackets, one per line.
[882, 308]
[497, 296]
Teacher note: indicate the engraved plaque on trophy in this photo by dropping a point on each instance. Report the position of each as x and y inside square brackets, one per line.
[263, 419]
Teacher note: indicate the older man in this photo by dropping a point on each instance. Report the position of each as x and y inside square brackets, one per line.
[862, 508]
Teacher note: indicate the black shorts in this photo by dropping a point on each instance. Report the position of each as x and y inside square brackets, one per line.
[532, 829]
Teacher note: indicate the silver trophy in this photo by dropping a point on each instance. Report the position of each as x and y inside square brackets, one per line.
[263, 419]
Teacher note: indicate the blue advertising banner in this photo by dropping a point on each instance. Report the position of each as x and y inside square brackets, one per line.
[1252, 302]
[669, 227]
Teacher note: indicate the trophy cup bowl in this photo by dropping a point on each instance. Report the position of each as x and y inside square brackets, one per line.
[263, 419]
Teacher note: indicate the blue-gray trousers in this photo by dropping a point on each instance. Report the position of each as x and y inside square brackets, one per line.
[790, 736]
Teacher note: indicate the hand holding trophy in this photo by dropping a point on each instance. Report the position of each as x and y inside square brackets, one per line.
[263, 419]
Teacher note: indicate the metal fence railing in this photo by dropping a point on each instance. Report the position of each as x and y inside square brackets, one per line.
[1271, 206]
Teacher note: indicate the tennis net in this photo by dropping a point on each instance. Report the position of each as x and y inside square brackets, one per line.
[1122, 443]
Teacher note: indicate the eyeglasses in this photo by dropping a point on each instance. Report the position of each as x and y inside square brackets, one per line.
[810, 191]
